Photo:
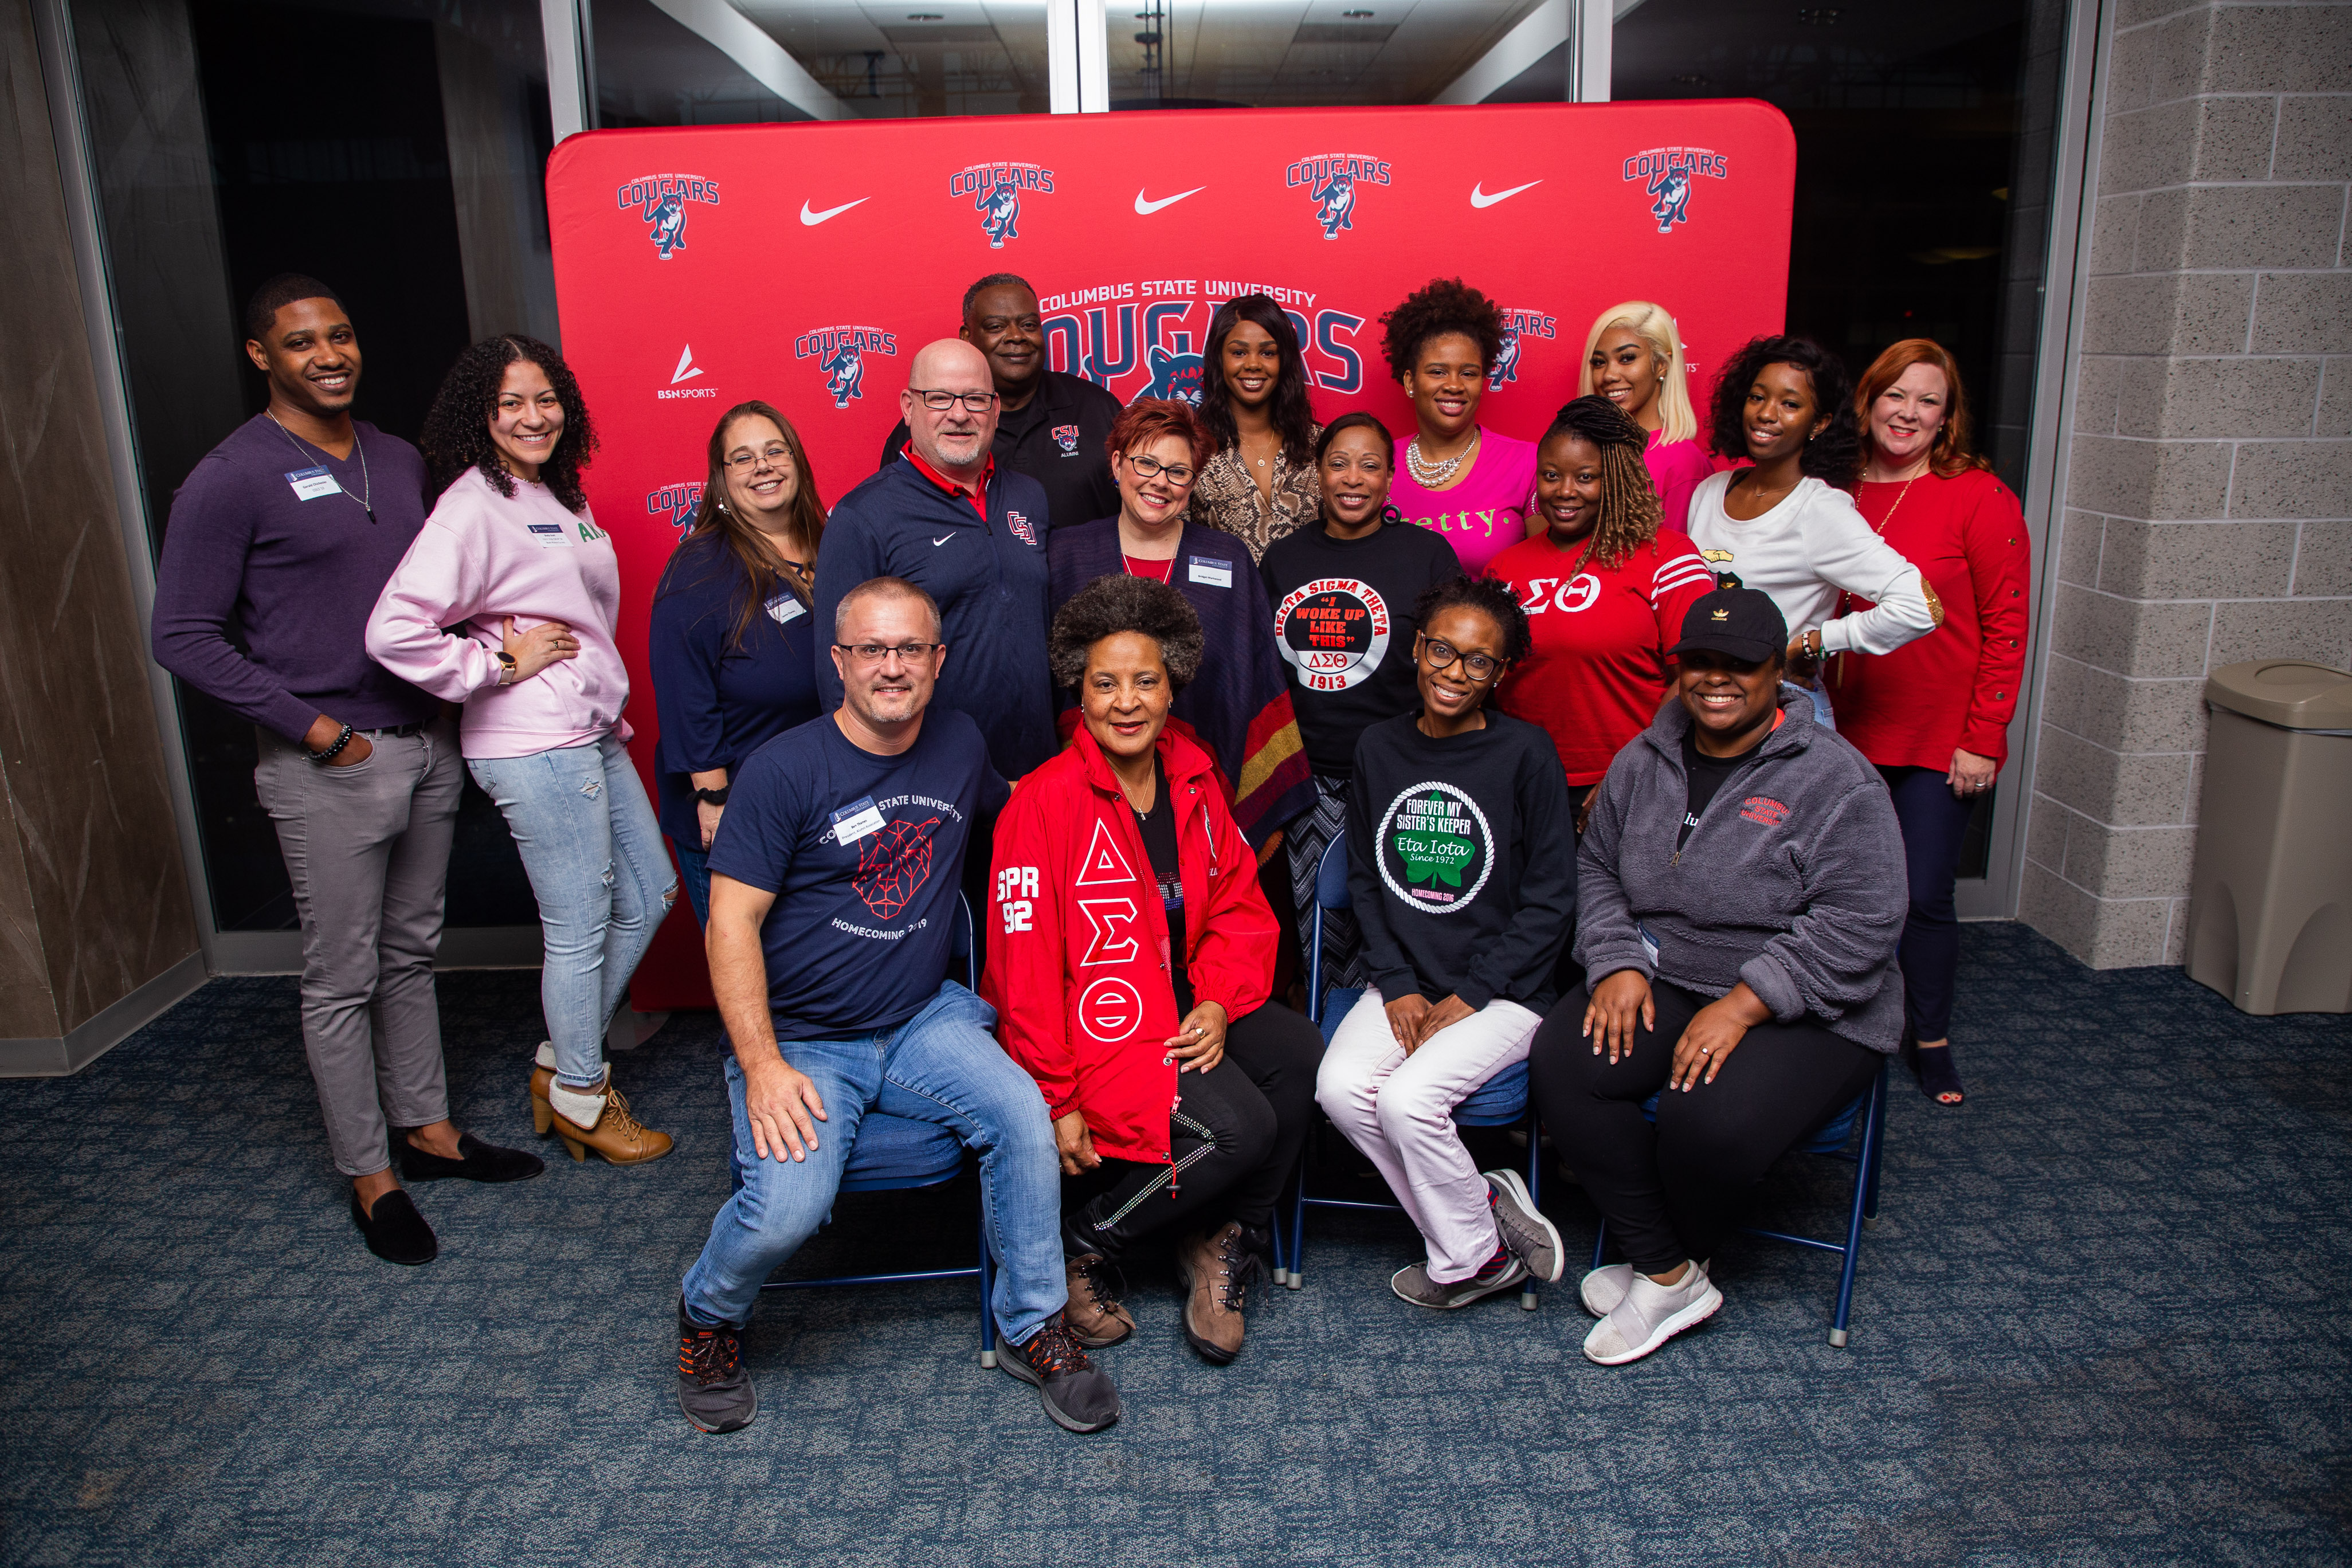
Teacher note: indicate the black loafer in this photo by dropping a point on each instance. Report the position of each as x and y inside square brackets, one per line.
[481, 1162]
[395, 1232]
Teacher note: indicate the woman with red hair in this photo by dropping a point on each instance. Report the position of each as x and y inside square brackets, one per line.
[1238, 706]
[1934, 714]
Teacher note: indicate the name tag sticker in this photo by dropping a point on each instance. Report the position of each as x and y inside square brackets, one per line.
[1212, 573]
[309, 484]
[855, 820]
[784, 608]
[552, 536]
[1649, 942]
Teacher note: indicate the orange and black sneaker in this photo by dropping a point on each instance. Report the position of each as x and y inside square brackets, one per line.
[1078, 1394]
[714, 1392]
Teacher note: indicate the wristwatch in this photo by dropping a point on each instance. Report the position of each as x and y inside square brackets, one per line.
[712, 796]
[509, 671]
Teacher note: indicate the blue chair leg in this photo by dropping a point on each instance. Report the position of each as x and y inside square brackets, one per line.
[1876, 1113]
[1297, 1219]
[1280, 1229]
[1866, 1162]
[987, 1298]
[1535, 1188]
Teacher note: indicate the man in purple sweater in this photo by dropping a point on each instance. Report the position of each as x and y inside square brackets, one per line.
[277, 545]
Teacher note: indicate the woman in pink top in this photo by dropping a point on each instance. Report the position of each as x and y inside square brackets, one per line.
[1457, 479]
[1633, 358]
[511, 557]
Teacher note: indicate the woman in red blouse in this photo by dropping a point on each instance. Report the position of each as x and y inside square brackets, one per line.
[1934, 714]
[1604, 586]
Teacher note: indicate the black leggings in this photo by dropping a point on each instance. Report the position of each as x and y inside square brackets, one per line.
[1235, 1135]
[1671, 1191]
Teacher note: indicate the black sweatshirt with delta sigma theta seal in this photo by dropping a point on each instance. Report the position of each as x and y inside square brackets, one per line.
[1343, 622]
[1462, 861]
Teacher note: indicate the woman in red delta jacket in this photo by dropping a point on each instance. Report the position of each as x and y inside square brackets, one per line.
[1128, 967]
[1934, 714]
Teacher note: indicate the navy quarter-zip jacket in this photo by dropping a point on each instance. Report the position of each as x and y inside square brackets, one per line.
[992, 585]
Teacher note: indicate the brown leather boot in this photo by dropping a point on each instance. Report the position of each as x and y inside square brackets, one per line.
[1216, 1267]
[542, 1073]
[1094, 1316]
[614, 1132]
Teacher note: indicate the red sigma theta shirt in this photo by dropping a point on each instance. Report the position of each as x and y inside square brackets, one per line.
[1597, 673]
[1957, 687]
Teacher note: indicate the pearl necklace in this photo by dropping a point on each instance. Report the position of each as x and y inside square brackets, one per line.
[1432, 475]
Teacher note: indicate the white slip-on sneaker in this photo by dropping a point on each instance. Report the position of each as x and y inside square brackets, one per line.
[1649, 1315]
[1605, 1286]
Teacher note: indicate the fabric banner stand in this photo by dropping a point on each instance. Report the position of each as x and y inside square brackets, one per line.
[804, 264]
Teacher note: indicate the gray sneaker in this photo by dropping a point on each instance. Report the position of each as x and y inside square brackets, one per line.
[1414, 1285]
[1649, 1315]
[1605, 1286]
[1533, 1239]
[714, 1392]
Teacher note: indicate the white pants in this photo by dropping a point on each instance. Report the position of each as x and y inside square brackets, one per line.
[1399, 1110]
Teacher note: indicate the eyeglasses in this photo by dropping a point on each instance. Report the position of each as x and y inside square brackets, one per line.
[1478, 665]
[775, 456]
[1147, 468]
[941, 402]
[875, 652]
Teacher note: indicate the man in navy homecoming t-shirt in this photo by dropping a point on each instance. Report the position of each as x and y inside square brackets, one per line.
[834, 881]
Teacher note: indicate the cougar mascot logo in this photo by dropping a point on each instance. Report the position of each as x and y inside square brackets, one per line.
[999, 208]
[668, 217]
[1335, 204]
[893, 864]
[1670, 189]
[844, 373]
[1174, 376]
[1507, 362]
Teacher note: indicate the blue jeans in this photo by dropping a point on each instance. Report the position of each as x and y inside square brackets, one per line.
[942, 1067]
[1820, 698]
[694, 870]
[594, 852]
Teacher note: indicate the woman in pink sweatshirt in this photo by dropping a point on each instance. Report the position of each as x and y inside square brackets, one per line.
[511, 557]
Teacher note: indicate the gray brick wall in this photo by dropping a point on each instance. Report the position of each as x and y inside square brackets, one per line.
[2209, 470]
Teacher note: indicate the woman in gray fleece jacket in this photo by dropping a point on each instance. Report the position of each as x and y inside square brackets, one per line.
[1742, 893]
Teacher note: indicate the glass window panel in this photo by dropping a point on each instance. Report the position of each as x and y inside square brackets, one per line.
[1196, 54]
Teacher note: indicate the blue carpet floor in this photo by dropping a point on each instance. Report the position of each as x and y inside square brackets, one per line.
[2099, 1323]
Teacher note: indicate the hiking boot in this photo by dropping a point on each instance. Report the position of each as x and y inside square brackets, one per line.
[714, 1392]
[1094, 1316]
[1078, 1394]
[600, 1118]
[1533, 1239]
[1216, 1267]
[1649, 1315]
[1414, 1285]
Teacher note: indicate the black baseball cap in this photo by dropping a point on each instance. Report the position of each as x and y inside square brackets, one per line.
[1741, 622]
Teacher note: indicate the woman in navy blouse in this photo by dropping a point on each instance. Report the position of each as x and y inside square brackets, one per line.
[733, 643]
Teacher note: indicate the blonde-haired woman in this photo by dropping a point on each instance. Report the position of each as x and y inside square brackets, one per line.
[1633, 358]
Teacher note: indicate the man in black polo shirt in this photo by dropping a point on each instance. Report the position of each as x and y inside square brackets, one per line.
[1050, 426]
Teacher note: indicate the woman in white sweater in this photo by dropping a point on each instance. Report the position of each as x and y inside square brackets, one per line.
[511, 557]
[1788, 526]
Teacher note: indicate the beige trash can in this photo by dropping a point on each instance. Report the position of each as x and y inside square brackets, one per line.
[2270, 903]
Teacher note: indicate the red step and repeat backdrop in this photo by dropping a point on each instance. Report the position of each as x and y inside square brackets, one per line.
[806, 264]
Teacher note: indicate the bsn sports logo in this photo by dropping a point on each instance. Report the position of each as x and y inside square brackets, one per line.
[1331, 182]
[1174, 376]
[1669, 172]
[995, 192]
[840, 354]
[1517, 327]
[660, 201]
[680, 501]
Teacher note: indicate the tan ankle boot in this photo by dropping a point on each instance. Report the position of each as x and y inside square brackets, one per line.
[1215, 1268]
[1094, 1316]
[608, 1128]
[542, 1073]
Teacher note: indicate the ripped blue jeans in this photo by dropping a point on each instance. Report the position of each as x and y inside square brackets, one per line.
[594, 852]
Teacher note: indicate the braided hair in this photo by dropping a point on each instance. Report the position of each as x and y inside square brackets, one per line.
[1629, 513]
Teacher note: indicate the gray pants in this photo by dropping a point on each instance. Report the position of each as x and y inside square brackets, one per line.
[367, 848]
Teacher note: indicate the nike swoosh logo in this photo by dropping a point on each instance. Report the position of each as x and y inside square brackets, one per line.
[942, 539]
[813, 219]
[1479, 198]
[1145, 208]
